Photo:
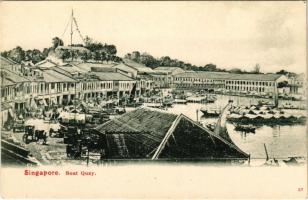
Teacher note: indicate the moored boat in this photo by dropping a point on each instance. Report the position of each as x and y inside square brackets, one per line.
[211, 99]
[153, 105]
[197, 99]
[168, 102]
[180, 101]
[245, 128]
[210, 112]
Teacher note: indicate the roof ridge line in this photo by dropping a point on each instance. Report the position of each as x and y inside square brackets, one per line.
[217, 136]
[15, 74]
[168, 134]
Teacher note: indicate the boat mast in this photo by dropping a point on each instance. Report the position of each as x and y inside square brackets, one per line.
[72, 18]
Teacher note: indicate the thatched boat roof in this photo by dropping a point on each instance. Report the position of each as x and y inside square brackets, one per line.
[149, 134]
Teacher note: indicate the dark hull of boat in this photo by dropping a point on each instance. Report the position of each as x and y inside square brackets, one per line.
[207, 114]
[133, 105]
[167, 104]
[246, 130]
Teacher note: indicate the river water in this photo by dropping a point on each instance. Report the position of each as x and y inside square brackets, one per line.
[282, 141]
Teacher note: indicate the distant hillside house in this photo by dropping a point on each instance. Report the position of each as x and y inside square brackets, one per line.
[154, 135]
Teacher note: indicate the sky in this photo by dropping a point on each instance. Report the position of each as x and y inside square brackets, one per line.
[228, 34]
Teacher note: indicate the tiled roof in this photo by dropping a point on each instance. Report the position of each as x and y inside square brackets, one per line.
[111, 76]
[5, 82]
[168, 69]
[256, 77]
[230, 76]
[207, 75]
[46, 64]
[14, 77]
[72, 69]
[88, 66]
[53, 76]
[5, 106]
[144, 133]
[6, 61]
[137, 66]
[138, 121]
[103, 69]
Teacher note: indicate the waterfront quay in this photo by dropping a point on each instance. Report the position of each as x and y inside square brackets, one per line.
[88, 112]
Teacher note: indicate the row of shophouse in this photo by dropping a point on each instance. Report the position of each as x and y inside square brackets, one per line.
[50, 82]
[258, 84]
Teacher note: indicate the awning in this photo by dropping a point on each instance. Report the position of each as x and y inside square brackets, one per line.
[20, 100]
[53, 101]
[42, 102]
[33, 104]
[11, 112]
[5, 106]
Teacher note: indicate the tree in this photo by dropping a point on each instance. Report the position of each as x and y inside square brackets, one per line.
[148, 60]
[17, 54]
[110, 49]
[85, 56]
[100, 52]
[64, 54]
[210, 67]
[135, 56]
[256, 69]
[88, 40]
[56, 41]
[165, 61]
[282, 84]
[96, 55]
[46, 52]
[103, 56]
[236, 71]
[128, 56]
[284, 72]
[187, 66]
[34, 55]
[5, 54]
[287, 73]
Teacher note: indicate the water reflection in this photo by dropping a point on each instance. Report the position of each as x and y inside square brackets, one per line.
[281, 141]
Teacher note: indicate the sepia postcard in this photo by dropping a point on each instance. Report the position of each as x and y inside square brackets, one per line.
[153, 99]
